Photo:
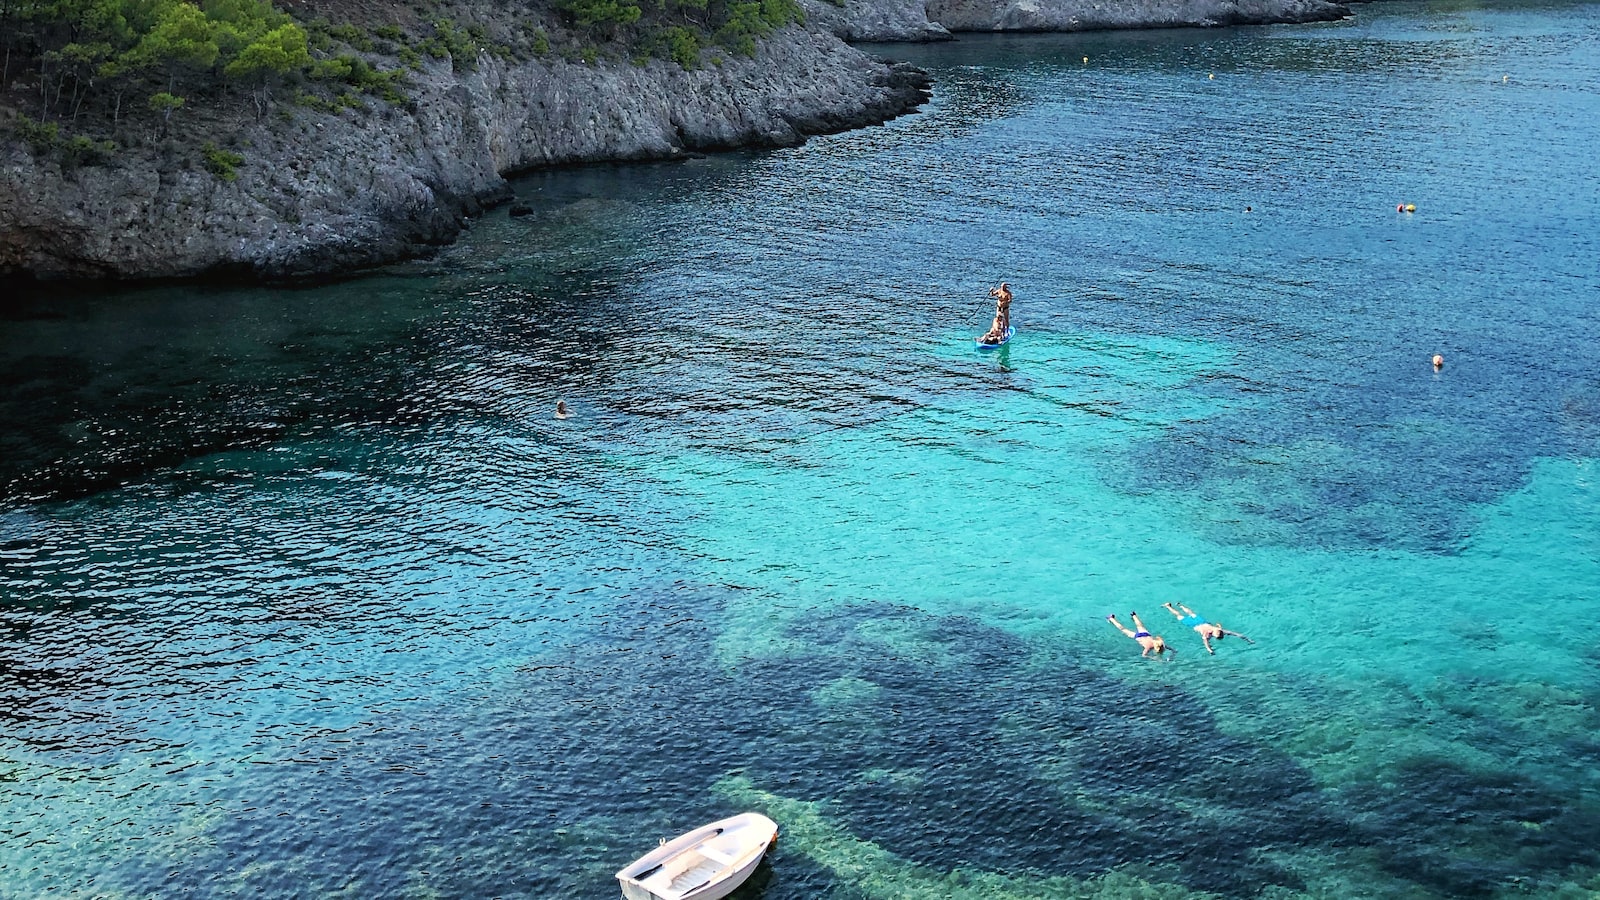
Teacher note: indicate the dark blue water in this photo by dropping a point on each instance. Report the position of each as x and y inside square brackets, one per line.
[306, 592]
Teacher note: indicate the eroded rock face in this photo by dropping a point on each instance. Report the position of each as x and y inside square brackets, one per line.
[1087, 15]
[322, 193]
[876, 20]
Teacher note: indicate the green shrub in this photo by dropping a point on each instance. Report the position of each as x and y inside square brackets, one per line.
[589, 13]
[312, 101]
[343, 100]
[82, 150]
[221, 163]
[682, 45]
[358, 73]
[353, 35]
[779, 13]
[752, 19]
[459, 45]
[41, 136]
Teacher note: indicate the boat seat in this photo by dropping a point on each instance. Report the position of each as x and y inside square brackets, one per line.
[715, 855]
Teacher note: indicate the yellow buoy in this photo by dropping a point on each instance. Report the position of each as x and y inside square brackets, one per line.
[1411, 207]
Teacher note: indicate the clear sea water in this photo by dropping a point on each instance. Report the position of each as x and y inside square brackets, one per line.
[306, 593]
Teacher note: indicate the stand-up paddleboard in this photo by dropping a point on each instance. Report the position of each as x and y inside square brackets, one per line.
[1010, 330]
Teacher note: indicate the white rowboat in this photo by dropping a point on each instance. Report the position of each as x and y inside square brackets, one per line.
[705, 864]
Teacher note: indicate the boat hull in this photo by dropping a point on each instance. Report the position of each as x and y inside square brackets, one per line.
[707, 863]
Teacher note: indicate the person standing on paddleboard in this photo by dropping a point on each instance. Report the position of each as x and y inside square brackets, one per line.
[1002, 314]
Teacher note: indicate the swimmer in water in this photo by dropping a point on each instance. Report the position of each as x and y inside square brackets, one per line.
[561, 409]
[1151, 643]
[1208, 631]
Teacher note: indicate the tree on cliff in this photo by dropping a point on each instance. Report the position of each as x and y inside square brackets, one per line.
[166, 104]
[269, 59]
[603, 15]
[678, 26]
[79, 49]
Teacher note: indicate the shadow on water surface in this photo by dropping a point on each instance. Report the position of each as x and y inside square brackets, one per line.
[100, 391]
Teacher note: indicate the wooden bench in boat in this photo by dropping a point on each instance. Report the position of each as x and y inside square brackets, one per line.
[715, 855]
[690, 873]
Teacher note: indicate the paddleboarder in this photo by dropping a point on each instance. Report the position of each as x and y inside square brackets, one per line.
[1002, 315]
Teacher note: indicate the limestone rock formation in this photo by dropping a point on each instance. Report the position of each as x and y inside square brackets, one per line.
[321, 192]
[1086, 15]
[877, 20]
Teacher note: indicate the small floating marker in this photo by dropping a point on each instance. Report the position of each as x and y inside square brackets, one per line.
[1411, 207]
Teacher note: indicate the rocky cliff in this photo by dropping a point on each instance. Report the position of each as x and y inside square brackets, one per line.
[877, 20]
[319, 191]
[322, 192]
[1086, 15]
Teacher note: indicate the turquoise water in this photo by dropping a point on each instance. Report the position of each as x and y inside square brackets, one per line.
[306, 592]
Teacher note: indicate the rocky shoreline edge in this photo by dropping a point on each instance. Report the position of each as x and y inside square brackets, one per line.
[321, 194]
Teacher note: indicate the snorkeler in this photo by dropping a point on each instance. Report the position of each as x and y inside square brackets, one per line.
[1151, 643]
[1207, 630]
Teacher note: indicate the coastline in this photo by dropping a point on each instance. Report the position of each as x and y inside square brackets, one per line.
[325, 194]
[322, 193]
